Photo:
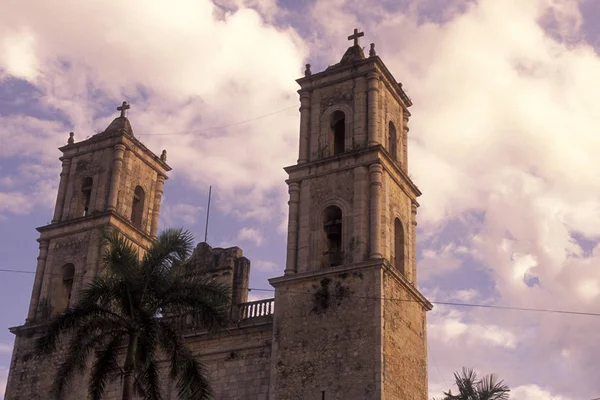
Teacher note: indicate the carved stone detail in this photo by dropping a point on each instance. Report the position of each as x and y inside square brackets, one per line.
[338, 95]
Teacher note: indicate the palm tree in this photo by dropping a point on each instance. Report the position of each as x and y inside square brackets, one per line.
[472, 388]
[120, 313]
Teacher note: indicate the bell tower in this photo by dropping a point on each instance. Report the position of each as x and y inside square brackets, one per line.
[349, 320]
[109, 180]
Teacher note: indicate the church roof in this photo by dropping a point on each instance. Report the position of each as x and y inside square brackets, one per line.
[119, 126]
[352, 55]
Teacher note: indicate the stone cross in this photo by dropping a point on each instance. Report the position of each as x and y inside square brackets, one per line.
[124, 107]
[355, 36]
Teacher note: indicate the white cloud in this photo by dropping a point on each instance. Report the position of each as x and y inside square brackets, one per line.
[252, 235]
[161, 59]
[3, 380]
[264, 265]
[534, 392]
[6, 348]
[182, 213]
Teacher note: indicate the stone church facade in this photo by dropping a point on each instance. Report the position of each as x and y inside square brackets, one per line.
[347, 320]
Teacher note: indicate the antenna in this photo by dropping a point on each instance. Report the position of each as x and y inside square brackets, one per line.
[207, 214]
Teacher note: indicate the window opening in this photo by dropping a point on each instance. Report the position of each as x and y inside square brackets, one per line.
[332, 225]
[393, 141]
[86, 189]
[68, 274]
[338, 130]
[399, 246]
[137, 208]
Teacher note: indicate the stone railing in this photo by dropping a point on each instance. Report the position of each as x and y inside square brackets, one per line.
[255, 309]
[241, 312]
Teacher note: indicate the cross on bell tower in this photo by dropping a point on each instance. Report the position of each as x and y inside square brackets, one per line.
[355, 36]
[351, 243]
[123, 108]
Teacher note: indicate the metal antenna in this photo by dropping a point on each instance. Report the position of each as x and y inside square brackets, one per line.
[207, 214]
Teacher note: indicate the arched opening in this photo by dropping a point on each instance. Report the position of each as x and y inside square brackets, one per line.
[137, 208]
[332, 226]
[399, 246]
[338, 131]
[66, 287]
[86, 190]
[393, 141]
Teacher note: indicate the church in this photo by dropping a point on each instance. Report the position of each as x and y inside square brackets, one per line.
[347, 321]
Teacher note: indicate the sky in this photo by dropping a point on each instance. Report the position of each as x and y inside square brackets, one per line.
[503, 144]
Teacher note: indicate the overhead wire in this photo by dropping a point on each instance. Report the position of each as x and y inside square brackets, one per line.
[445, 303]
[200, 131]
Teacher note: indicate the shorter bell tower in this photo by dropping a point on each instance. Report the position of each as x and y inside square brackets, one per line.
[110, 180]
[349, 320]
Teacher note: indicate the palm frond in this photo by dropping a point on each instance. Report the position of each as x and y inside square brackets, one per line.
[65, 323]
[121, 258]
[490, 388]
[172, 245]
[105, 364]
[206, 298]
[78, 351]
[192, 382]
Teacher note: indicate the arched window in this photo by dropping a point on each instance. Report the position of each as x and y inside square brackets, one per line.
[137, 208]
[332, 225]
[86, 194]
[393, 141]
[66, 286]
[337, 124]
[399, 246]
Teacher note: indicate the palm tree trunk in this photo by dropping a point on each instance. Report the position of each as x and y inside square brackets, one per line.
[128, 368]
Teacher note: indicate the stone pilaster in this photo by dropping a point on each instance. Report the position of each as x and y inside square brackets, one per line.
[292, 244]
[376, 172]
[412, 256]
[116, 177]
[360, 112]
[62, 190]
[373, 110]
[361, 213]
[304, 127]
[39, 277]
[404, 139]
[160, 181]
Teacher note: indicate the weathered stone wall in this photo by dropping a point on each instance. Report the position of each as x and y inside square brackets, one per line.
[404, 343]
[327, 336]
[30, 378]
[237, 361]
[397, 205]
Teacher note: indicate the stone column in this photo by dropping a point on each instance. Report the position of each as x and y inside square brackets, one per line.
[372, 109]
[405, 140]
[158, 193]
[376, 172]
[39, 277]
[62, 190]
[304, 127]
[292, 243]
[412, 256]
[361, 212]
[116, 177]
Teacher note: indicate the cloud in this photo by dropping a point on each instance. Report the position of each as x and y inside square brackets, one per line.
[3, 380]
[504, 125]
[252, 235]
[181, 213]
[89, 57]
[264, 265]
[6, 348]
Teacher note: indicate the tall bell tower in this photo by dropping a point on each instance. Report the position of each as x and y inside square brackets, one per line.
[109, 180]
[349, 320]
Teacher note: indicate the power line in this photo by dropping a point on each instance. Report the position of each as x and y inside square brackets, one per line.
[197, 132]
[447, 303]
[444, 303]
